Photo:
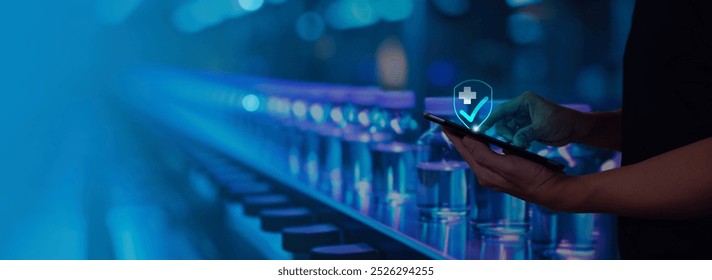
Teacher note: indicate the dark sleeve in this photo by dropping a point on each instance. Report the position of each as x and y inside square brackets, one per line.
[667, 83]
[692, 68]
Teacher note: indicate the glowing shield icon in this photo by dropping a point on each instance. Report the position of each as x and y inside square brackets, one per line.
[472, 102]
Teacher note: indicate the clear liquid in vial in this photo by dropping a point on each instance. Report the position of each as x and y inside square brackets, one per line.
[393, 171]
[443, 188]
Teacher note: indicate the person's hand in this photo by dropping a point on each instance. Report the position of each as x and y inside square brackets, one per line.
[530, 117]
[512, 174]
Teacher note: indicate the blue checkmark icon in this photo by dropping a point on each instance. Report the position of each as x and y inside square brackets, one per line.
[471, 117]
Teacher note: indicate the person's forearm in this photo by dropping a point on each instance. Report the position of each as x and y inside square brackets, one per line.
[601, 129]
[674, 185]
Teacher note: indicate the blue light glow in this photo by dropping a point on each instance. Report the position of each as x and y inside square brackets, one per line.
[336, 116]
[251, 5]
[317, 113]
[363, 118]
[608, 165]
[395, 125]
[202, 185]
[250, 103]
[233, 100]
[284, 106]
[310, 26]
[349, 113]
[197, 15]
[520, 3]
[272, 105]
[299, 109]
[293, 159]
[394, 10]
[113, 12]
[363, 192]
[564, 152]
[345, 14]
[335, 178]
[312, 168]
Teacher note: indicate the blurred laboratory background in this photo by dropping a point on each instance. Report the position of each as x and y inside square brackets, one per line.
[287, 129]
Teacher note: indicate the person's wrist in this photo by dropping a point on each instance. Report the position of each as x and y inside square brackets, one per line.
[583, 125]
[563, 193]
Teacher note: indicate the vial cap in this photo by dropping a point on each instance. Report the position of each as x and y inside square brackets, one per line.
[364, 96]
[314, 93]
[441, 106]
[337, 95]
[404, 99]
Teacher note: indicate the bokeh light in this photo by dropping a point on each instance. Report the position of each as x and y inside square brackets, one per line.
[197, 15]
[392, 64]
[251, 5]
[393, 10]
[310, 26]
[250, 103]
[520, 3]
[345, 14]
[299, 108]
[316, 112]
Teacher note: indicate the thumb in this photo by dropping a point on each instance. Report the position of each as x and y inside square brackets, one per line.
[524, 136]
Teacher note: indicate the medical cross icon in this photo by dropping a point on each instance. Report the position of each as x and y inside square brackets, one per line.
[472, 102]
[467, 95]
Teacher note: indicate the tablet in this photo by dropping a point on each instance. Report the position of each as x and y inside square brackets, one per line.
[506, 147]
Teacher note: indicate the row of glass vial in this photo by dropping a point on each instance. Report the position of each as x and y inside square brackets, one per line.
[354, 144]
[360, 145]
